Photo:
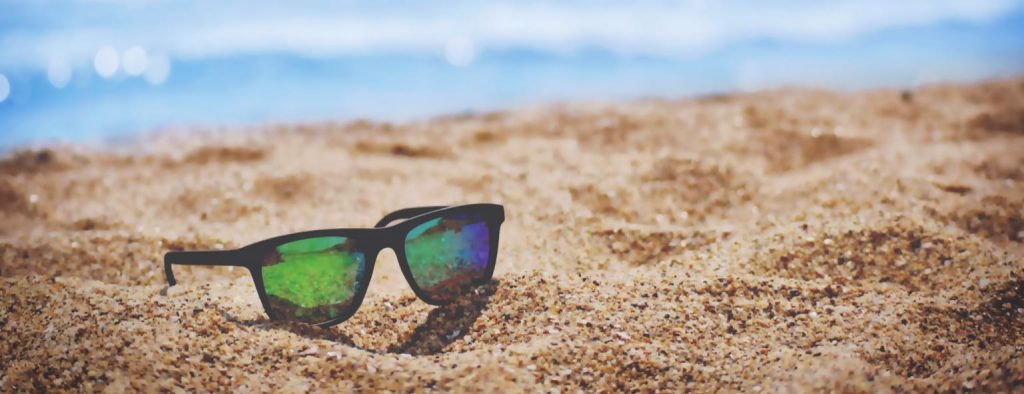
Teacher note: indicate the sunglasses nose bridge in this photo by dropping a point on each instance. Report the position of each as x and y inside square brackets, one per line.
[384, 238]
[388, 238]
[375, 253]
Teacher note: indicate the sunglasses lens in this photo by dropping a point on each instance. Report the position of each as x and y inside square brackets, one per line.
[448, 254]
[313, 280]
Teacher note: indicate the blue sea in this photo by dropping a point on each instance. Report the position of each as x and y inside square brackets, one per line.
[94, 71]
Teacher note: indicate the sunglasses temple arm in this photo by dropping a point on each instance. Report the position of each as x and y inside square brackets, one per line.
[406, 213]
[199, 257]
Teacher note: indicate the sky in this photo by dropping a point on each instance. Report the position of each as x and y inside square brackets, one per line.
[87, 71]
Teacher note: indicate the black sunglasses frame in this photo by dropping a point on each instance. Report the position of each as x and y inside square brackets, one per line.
[370, 241]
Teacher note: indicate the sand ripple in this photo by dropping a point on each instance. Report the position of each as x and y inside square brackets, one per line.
[787, 240]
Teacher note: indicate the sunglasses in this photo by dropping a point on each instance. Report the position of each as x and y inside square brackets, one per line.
[320, 277]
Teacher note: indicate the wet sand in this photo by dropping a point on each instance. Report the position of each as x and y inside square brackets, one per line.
[794, 239]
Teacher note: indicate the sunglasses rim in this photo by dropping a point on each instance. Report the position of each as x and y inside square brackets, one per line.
[369, 241]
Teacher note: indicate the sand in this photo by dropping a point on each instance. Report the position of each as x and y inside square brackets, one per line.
[785, 240]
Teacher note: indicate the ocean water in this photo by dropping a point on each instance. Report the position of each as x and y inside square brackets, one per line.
[95, 71]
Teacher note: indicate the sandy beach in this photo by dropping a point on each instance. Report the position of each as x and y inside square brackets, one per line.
[785, 240]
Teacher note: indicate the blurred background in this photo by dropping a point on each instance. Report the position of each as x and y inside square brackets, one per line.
[94, 71]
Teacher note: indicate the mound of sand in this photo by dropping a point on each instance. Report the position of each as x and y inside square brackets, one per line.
[791, 239]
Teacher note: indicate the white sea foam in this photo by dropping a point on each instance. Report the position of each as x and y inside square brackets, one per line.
[687, 28]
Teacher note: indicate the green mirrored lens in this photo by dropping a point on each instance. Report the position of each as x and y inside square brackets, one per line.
[312, 280]
[448, 254]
